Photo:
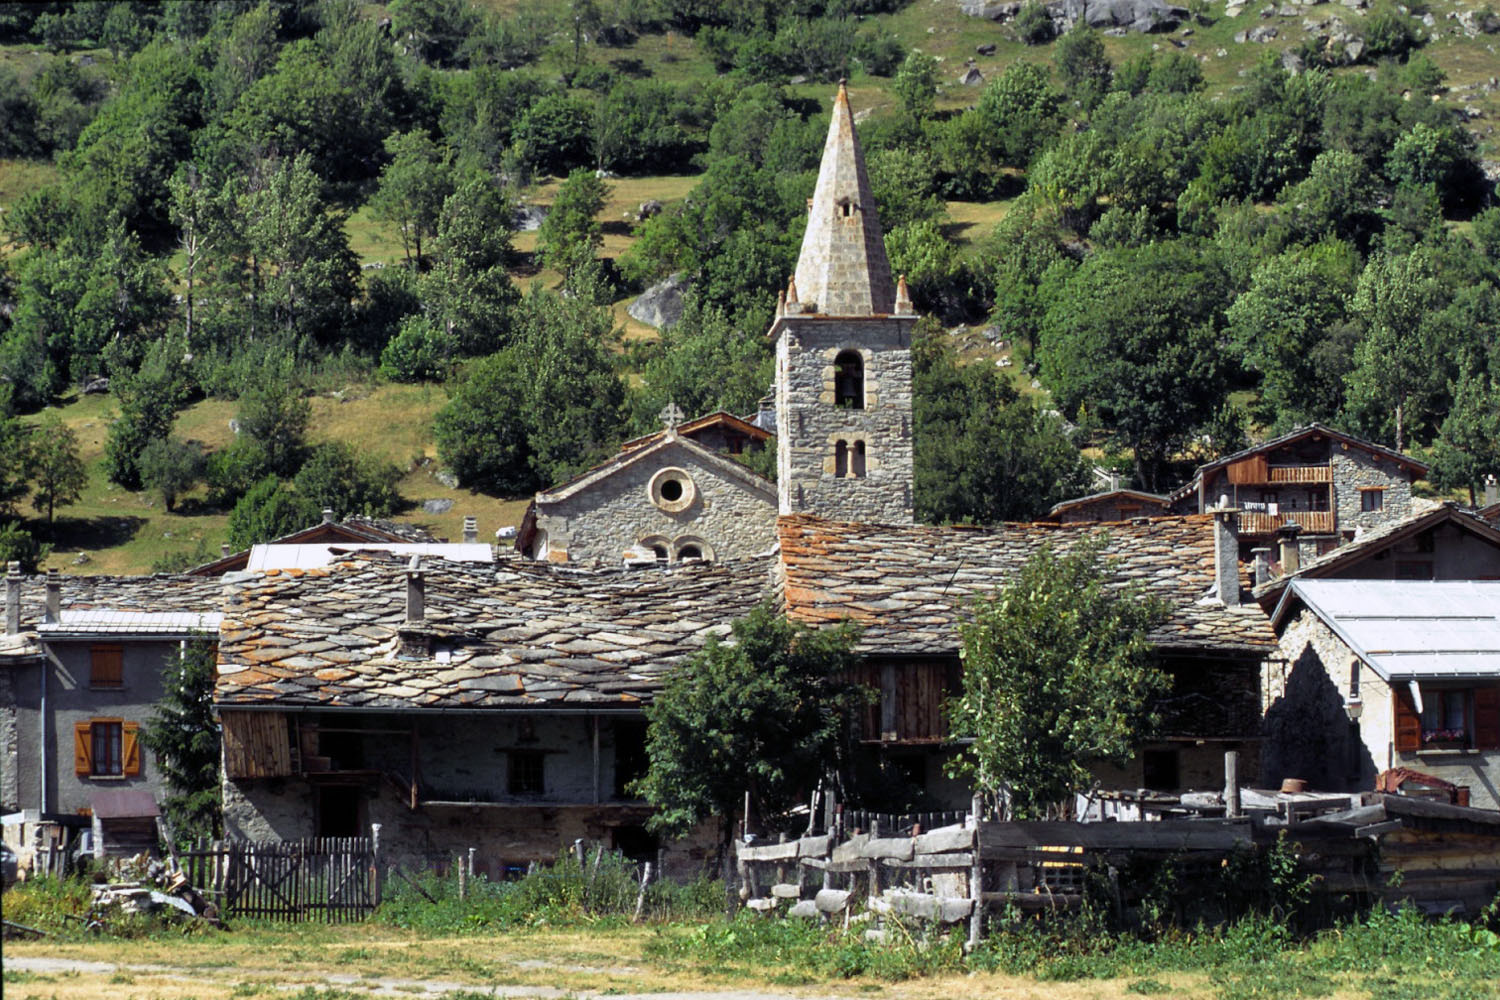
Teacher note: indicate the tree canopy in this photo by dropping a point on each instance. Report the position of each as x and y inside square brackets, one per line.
[1057, 677]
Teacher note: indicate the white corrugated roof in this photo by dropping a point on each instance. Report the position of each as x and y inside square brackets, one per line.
[108, 621]
[267, 556]
[1405, 629]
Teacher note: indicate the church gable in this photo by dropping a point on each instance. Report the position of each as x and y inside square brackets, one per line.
[673, 501]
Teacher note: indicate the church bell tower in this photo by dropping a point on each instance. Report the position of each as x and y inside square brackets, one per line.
[843, 354]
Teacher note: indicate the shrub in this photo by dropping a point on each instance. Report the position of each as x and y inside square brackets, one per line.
[171, 467]
[1033, 25]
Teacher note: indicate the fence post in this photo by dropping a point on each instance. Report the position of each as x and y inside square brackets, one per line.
[375, 868]
[640, 899]
[463, 881]
[1232, 784]
[976, 879]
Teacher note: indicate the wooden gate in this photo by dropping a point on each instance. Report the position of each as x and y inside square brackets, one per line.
[325, 879]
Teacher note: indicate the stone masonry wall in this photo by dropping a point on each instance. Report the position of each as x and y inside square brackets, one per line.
[732, 518]
[10, 746]
[1354, 468]
[809, 424]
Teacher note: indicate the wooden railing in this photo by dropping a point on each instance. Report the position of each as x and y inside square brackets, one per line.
[1313, 522]
[1301, 474]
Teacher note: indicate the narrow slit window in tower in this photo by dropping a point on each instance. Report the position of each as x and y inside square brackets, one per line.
[857, 460]
[849, 381]
[841, 459]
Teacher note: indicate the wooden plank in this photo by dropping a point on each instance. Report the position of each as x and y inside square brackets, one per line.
[888, 847]
[948, 838]
[1183, 835]
[952, 859]
[1378, 829]
[851, 849]
[769, 852]
[814, 846]
[1032, 901]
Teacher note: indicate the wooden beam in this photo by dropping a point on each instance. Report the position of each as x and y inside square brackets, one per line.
[1201, 835]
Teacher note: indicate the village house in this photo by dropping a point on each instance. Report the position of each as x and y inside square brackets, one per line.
[352, 530]
[1381, 675]
[456, 705]
[1330, 485]
[1111, 505]
[80, 670]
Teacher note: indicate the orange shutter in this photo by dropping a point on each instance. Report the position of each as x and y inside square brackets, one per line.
[1408, 724]
[83, 763]
[1487, 718]
[130, 749]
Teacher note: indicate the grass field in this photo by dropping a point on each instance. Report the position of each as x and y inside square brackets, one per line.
[610, 957]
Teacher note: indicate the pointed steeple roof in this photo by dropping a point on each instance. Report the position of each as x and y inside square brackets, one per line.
[842, 269]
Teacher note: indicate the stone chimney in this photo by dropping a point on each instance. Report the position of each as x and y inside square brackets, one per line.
[1291, 553]
[765, 411]
[13, 598]
[1491, 490]
[1262, 564]
[328, 515]
[416, 592]
[471, 530]
[224, 549]
[54, 597]
[1227, 557]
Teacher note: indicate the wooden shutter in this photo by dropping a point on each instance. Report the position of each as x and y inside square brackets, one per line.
[130, 749]
[1487, 718]
[83, 749]
[1408, 727]
[107, 666]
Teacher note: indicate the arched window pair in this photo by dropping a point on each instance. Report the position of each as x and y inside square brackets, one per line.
[849, 381]
[849, 459]
[685, 548]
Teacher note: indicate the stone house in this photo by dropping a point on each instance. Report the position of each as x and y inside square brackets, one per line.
[908, 587]
[1387, 674]
[670, 500]
[1331, 485]
[455, 704]
[80, 670]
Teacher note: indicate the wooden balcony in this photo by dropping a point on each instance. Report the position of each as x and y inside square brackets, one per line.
[1300, 474]
[1313, 522]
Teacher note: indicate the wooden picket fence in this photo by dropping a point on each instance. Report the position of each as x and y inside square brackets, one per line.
[331, 880]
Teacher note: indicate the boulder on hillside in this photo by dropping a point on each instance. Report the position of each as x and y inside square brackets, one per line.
[1130, 15]
[971, 77]
[990, 11]
[661, 305]
[528, 218]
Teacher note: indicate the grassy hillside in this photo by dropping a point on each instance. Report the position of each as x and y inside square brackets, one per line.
[111, 530]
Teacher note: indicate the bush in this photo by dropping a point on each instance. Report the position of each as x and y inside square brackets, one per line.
[335, 477]
[1033, 25]
[417, 353]
[18, 545]
[171, 467]
[269, 510]
[232, 472]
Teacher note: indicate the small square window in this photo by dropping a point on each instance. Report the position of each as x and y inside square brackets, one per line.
[1371, 500]
[107, 667]
[527, 772]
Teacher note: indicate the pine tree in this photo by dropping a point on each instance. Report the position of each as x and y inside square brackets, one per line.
[184, 737]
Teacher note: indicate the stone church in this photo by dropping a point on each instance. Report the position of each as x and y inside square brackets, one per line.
[843, 410]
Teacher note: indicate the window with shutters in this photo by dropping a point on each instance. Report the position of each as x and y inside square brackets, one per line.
[1450, 719]
[106, 748]
[106, 667]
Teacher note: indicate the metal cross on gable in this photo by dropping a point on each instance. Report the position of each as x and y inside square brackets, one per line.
[670, 416]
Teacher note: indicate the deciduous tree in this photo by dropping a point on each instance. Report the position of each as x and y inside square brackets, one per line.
[766, 714]
[1057, 677]
[53, 465]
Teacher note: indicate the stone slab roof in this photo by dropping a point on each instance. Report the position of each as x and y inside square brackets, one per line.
[120, 606]
[908, 586]
[526, 636]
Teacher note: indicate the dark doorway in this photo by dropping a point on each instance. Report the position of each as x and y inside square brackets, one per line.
[1159, 770]
[636, 843]
[340, 811]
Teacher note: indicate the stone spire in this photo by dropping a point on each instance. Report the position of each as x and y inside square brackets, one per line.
[842, 269]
